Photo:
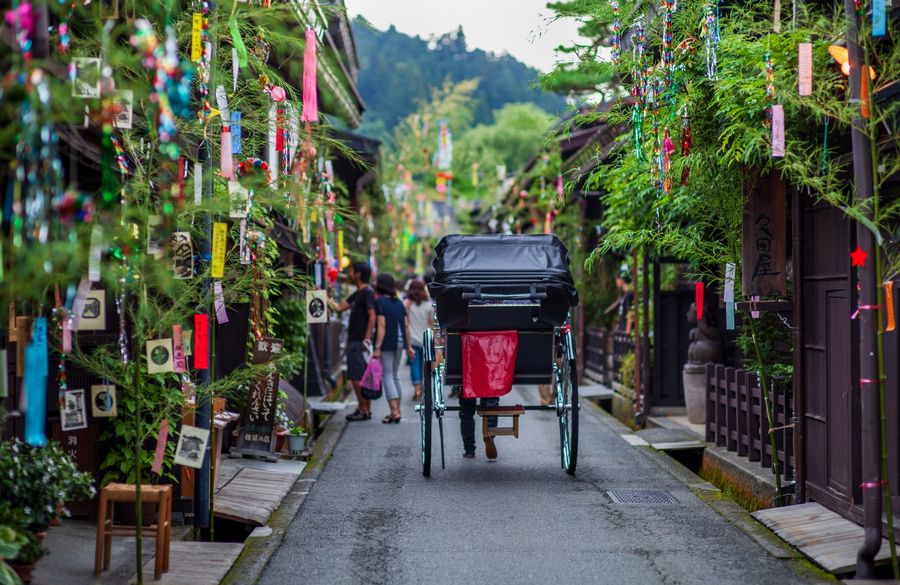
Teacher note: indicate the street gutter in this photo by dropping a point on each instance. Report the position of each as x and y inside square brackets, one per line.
[258, 550]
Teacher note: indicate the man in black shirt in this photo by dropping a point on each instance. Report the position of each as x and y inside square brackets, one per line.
[359, 333]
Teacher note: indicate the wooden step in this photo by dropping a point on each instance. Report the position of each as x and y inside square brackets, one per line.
[517, 410]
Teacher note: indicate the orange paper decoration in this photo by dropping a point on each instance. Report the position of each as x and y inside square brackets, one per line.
[889, 306]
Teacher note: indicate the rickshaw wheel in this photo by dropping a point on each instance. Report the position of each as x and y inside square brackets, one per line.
[425, 415]
[567, 408]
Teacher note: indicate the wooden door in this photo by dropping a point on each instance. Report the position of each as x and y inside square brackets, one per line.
[670, 344]
[831, 405]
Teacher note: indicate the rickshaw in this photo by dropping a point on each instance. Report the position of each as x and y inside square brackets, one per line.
[503, 317]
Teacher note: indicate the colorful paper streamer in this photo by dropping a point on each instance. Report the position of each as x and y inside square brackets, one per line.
[219, 294]
[201, 341]
[778, 131]
[889, 306]
[160, 451]
[804, 69]
[35, 384]
[699, 297]
[220, 234]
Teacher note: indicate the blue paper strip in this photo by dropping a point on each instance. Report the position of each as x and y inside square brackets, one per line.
[729, 316]
[879, 20]
[35, 384]
[235, 132]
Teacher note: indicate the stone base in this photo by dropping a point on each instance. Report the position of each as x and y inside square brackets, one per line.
[694, 377]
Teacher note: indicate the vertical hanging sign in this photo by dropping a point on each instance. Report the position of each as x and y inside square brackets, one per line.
[764, 236]
[778, 131]
[220, 233]
[196, 37]
[35, 384]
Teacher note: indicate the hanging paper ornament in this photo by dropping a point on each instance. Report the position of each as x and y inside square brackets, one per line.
[804, 69]
[879, 18]
[22, 21]
[236, 133]
[310, 112]
[858, 257]
[637, 129]
[668, 151]
[730, 270]
[73, 207]
[778, 131]
[699, 297]
[711, 38]
[668, 55]
[226, 159]
[889, 305]
[617, 32]
[35, 384]
[687, 141]
[331, 275]
[770, 88]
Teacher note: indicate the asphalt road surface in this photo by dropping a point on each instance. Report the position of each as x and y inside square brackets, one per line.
[372, 518]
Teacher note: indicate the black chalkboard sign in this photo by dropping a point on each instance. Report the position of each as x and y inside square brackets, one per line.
[257, 438]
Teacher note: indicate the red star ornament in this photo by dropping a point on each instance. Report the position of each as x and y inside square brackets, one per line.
[858, 257]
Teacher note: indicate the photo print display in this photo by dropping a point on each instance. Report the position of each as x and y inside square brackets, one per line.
[93, 315]
[316, 306]
[191, 446]
[103, 400]
[160, 358]
[182, 255]
[73, 415]
[85, 75]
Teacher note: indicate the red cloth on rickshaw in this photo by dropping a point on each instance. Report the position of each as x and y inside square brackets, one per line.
[489, 362]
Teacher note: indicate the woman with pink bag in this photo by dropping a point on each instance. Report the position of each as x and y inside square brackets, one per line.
[393, 328]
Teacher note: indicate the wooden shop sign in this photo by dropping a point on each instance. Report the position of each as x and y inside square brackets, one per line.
[257, 436]
[765, 237]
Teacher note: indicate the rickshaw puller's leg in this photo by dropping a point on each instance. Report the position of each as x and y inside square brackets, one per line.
[467, 423]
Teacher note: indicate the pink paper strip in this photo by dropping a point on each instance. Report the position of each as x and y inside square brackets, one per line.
[66, 340]
[804, 68]
[778, 131]
[754, 314]
[178, 349]
[160, 446]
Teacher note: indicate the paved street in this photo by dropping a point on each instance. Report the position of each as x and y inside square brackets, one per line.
[371, 518]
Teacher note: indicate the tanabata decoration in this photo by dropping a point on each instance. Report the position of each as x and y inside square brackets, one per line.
[858, 257]
[804, 69]
[778, 131]
[687, 141]
[310, 111]
[22, 20]
[219, 295]
[35, 384]
[879, 18]
[711, 38]
[889, 305]
[728, 297]
[316, 303]
[159, 453]
[73, 411]
[236, 147]
[617, 32]
[191, 449]
[179, 360]
[103, 401]
[219, 243]
[699, 296]
[159, 356]
[770, 88]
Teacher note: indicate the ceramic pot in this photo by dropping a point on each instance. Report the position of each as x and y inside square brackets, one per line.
[296, 443]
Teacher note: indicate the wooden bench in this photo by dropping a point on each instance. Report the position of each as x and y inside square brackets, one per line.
[161, 495]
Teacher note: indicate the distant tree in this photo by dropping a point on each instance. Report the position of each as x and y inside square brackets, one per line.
[399, 72]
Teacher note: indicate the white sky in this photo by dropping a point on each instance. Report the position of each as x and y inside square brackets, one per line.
[521, 28]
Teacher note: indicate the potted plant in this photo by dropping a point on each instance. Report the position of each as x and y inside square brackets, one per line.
[11, 542]
[296, 438]
[35, 484]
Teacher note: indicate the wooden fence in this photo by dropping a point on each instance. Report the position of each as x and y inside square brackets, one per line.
[604, 351]
[736, 417]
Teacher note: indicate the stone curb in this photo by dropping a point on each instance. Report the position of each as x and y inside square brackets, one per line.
[258, 550]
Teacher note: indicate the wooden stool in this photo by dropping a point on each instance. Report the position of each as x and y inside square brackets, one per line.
[161, 495]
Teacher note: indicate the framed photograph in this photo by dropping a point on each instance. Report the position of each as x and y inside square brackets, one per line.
[93, 316]
[124, 108]
[74, 412]
[103, 400]
[316, 306]
[159, 356]
[85, 75]
[182, 255]
[191, 446]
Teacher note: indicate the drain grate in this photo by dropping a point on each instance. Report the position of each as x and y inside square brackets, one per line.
[641, 497]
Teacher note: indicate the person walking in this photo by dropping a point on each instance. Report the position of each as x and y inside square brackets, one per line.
[359, 333]
[421, 317]
[392, 338]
